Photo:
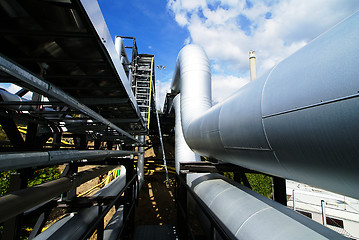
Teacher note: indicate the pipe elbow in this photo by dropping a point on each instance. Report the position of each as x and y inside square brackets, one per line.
[192, 78]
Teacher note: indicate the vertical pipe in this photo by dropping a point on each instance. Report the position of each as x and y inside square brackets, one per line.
[141, 163]
[118, 46]
[293, 196]
[277, 123]
[324, 215]
[182, 152]
[252, 64]
[163, 148]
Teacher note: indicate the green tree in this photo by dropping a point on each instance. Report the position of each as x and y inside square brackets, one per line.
[260, 183]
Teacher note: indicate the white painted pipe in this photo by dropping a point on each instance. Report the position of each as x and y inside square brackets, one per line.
[298, 121]
[182, 152]
[249, 215]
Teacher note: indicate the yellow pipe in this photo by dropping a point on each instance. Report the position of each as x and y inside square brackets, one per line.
[149, 102]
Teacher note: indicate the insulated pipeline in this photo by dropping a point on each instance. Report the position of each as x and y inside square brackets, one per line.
[297, 121]
[182, 152]
[249, 215]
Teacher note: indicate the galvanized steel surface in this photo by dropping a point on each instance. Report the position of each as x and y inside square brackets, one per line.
[298, 121]
[72, 226]
[249, 215]
[11, 161]
[182, 152]
[113, 228]
[141, 162]
[192, 78]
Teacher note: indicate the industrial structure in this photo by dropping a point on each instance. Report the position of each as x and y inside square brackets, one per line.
[93, 103]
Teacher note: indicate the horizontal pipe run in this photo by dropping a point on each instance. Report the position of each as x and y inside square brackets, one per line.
[71, 226]
[298, 121]
[112, 189]
[249, 215]
[114, 227]
[74, 226]
[19, 201]
[221, 228]
[12, 161]
[104, 212]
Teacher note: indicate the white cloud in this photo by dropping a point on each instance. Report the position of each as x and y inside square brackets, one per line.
[162, 88]
[228, 29]
[224, 86]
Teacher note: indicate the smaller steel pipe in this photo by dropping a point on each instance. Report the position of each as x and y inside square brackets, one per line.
[115, 226]
[108, 208]
[19, 201]
[11, 161]
[141, 162]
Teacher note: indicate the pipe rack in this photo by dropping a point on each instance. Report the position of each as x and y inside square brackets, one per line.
[19, 201]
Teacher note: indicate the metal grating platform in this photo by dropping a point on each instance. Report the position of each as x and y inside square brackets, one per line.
[155, 232]
[64, 51]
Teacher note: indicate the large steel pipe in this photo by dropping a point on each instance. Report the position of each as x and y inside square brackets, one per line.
[249, 215]
[19, 201]
[298, 121]
[182, 152]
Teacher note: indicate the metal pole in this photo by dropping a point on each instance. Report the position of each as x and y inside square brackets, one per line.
[280, 194]
[293, 196]
[163, 149]
[324, 216]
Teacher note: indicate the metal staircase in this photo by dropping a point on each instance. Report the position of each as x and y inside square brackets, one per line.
[142, 84]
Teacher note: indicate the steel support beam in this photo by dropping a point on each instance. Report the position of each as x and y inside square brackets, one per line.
[103, 101]
[17, 202]
[280, 194]
[45, 34]
[49, 89]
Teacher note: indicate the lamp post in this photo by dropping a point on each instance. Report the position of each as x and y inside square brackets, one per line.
[159, 67]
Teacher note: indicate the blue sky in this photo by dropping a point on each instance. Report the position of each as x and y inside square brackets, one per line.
[154, 27]
[226, 29]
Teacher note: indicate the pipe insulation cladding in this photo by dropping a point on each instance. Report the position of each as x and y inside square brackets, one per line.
[182, 152]
[249, 215]
[297, 121]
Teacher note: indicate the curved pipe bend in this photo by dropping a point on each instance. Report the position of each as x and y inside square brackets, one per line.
[298, 121]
